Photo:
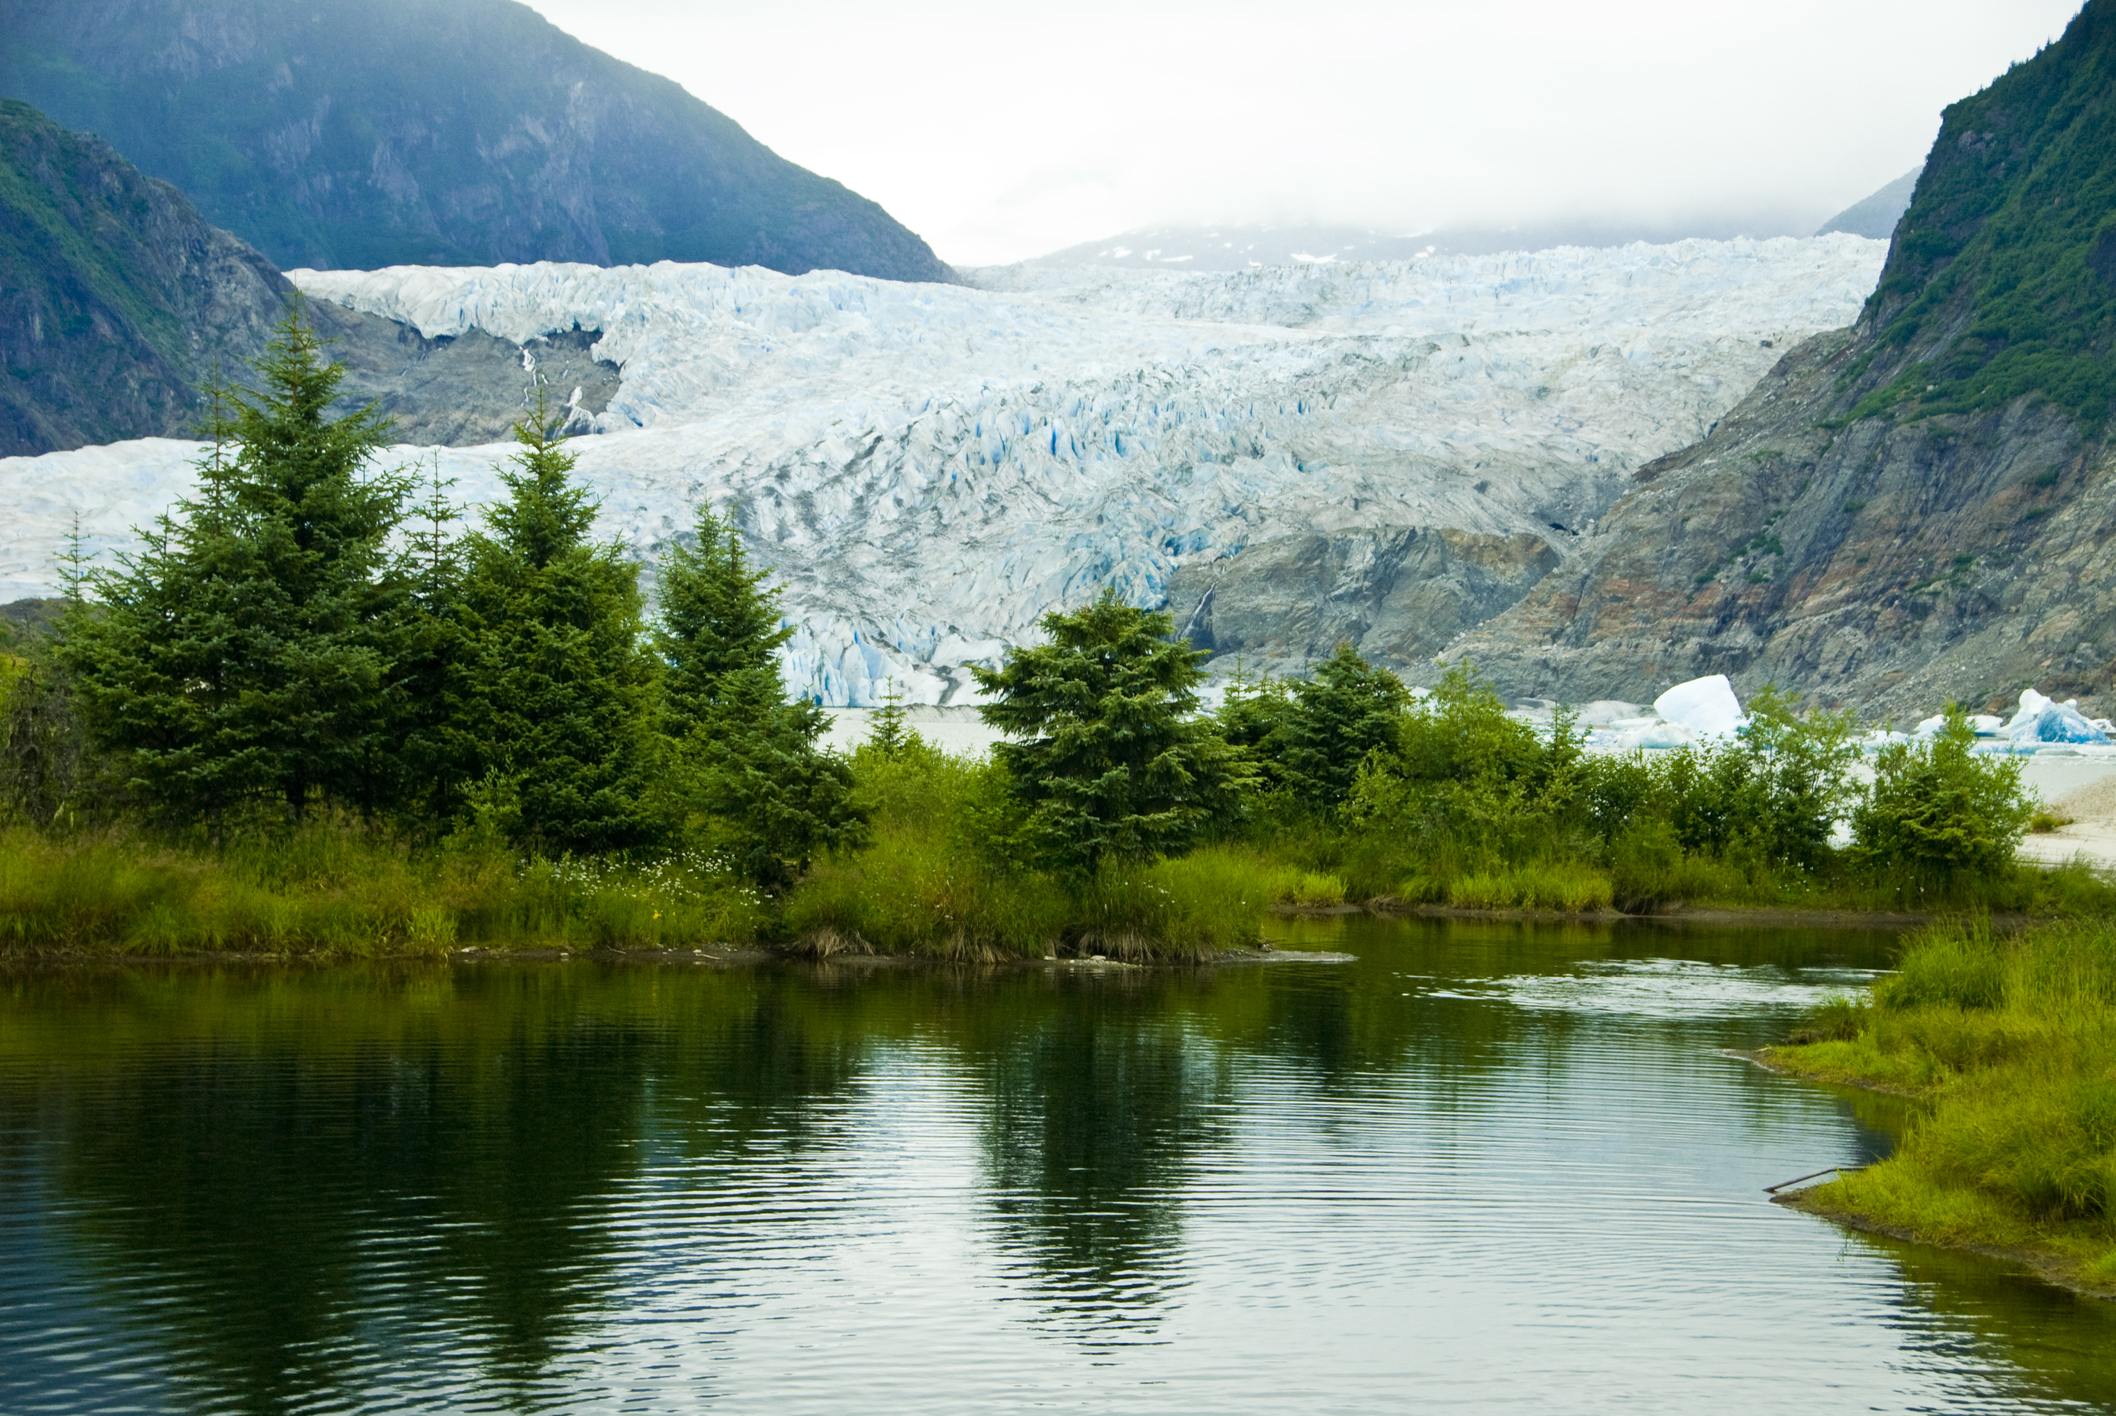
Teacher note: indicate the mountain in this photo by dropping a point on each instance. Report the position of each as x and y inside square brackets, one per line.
[363, 133]
[116, 298]
[1249, 246]
[119, 303]
[1283, 457]
[1875, 216]
[1919, 507]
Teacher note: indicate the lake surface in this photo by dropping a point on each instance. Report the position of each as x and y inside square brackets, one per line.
[1484, 1166]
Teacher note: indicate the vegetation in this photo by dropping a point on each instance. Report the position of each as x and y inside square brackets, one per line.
[2013, 1041]
[2006, 254]
[308, 718]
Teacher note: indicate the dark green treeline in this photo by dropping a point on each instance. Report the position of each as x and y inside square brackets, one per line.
[304, 636]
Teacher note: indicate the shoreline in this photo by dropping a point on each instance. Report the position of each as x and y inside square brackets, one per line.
[2049, 1263]
[1762, 916]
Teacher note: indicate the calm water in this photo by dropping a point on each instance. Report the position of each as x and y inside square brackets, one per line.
[1484, 1166]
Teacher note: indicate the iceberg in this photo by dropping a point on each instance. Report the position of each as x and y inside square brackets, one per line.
[2042, 720]
[1705, 707]
[929, 469]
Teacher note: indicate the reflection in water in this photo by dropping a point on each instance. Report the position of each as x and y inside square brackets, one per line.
[1486, 1162]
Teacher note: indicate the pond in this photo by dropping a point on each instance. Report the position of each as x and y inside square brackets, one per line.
[1479, 1166]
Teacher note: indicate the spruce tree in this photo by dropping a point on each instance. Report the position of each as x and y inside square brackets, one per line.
[564, 692]
[717, 616]
[1332, 721]
[751, 772]
[891, 737]
[1110, 759]
[246, 652]
[437, 673]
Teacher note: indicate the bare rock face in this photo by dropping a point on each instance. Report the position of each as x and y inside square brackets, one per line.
[1883, 563]
[461, 390]
[1397, 594]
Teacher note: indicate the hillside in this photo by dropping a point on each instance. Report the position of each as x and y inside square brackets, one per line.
[116, 298]
[364, 133]
[119, 303]
[1916, 508]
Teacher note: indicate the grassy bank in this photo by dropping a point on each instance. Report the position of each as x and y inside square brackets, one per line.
[2012, 1040]
[337, 888]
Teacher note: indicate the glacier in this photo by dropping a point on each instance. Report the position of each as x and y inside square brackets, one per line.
[929, 469]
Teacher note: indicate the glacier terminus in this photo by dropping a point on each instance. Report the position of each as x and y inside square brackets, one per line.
[931, 468]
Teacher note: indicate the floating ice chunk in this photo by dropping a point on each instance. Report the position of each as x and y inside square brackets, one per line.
[2042, 720]
[1982, 724]
[1605, 711]
[1629, 734]
[1706, 706]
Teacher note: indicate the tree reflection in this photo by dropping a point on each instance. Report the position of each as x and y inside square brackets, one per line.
[1097, 1103]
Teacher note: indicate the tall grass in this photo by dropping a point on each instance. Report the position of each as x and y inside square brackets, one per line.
[335, 888]
[2014, 1040]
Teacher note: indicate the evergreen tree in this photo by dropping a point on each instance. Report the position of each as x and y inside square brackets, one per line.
[564, 693]
[437, 675]
[771, 797]
[1330, 722]
[1111, 761]
[246, 651]
[717, 617]
[751, 770]
[890, 737]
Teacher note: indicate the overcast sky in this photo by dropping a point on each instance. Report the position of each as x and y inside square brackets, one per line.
[1000, 129]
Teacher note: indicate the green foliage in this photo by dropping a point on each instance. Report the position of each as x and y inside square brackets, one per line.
[766, 797]
[245, 653]
[2010, 1037]
[332, 886]
[2009, 246]
[1939, 815]
[1109, 759]
[749, 776]
[938, 880]
[563, 691]
[1329, 724]
[717, 617]
[890, 736]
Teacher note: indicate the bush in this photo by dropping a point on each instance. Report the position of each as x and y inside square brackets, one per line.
[1940, 816]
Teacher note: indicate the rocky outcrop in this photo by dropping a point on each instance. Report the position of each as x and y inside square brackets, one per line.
[119, 303]
[356, 134]
[1916, 509]
[1398, 595]
[461, 390]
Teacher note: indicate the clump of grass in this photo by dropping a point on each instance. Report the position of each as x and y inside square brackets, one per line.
[2014, 1040]
[1574, 889]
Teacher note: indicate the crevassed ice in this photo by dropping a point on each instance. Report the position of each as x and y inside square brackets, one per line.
[932, 468]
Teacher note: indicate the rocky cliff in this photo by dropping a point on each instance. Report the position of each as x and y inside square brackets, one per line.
[1919, 507]
[119, 303]
[116, 298]
[354, 134]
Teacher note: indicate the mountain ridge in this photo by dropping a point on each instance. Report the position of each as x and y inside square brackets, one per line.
[328, 136]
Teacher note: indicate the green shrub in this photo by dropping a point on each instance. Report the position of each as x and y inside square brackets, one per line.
[1938, 816]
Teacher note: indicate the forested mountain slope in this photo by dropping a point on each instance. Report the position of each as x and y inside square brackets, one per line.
[353, 134]
[1920, 507]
